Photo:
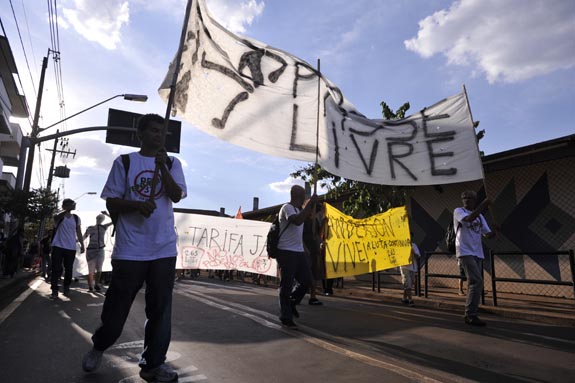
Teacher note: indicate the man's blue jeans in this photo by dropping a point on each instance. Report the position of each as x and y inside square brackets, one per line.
[127, 279]
[473, 267]
[293, 266]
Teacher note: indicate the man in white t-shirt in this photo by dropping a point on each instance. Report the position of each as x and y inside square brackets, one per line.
[291, 257]
[67, 231]
[144, 249]
[470, 226]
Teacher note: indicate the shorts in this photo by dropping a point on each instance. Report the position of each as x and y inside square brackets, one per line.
[95, 259]
[407, 277]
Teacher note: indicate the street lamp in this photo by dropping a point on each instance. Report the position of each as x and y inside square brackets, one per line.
[83, 194]
[127, 97]
[36, 130]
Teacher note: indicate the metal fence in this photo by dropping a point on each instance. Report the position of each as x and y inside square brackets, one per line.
[541, 273]
[443, 266]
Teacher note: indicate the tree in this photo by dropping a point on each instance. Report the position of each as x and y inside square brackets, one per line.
[30, 207]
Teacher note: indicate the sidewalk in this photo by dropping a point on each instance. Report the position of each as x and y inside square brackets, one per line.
[557, 311]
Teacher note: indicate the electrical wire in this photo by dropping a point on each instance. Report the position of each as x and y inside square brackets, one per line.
[4, 54]
[23, 48]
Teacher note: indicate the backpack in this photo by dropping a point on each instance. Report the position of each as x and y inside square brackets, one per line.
[126, 162]
[273, 237]
[449, 237]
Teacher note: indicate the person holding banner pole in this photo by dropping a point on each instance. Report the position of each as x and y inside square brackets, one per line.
[291, 258]
[469, 249]
[145, 249]
[312, 244]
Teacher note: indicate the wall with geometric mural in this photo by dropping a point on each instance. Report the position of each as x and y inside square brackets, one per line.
[533, 194]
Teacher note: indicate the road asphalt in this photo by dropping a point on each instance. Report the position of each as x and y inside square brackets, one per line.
[550, 310]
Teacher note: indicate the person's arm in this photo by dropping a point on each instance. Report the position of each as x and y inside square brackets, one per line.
[173, 190]
[122, 206]
[299, 218]
[79, 236]
[478, 210]
[106, 225]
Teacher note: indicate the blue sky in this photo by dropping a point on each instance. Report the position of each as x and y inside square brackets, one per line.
[516, 58]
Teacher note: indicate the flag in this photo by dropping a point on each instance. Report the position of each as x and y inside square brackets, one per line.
[239, 213]
[264, 99]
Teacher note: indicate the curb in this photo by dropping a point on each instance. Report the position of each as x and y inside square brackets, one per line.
[511, 313]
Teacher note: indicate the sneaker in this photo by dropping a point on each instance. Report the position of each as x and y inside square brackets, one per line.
[474, 321]
[92, 360]
[54, 295]
[289, 324]
[410, 303]
[66, 291]
[405, 301]
[97, 287]
[91, 289]
[162, 373]
[294, 311]
[315, 302]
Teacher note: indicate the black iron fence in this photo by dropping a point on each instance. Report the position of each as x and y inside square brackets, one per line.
[549, 274]
[538, 269]
[443, 261]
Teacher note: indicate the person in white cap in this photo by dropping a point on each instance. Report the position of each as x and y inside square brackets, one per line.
[95, 251]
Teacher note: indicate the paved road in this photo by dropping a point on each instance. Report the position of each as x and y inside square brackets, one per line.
[229, 332]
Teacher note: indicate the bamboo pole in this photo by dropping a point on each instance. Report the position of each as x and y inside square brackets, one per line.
[155, 178]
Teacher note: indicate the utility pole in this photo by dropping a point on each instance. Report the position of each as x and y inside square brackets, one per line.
[35, 127]
[63, 151]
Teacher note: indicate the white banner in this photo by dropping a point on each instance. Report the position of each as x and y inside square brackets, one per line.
[434, 146]
[261, 98]
[218, 243]
[204, 242]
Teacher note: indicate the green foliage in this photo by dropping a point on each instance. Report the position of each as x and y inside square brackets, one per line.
[359, 199]
[30, 207]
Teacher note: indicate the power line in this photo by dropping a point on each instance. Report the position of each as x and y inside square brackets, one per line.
[18, 74]
[22, 44]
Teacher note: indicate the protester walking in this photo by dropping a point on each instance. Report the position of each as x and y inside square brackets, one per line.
[67, 232]
[470, 226]
[291, 258]
[408, 275]
[95, 253]
[312, 228]
[45, 249]
[144, 250]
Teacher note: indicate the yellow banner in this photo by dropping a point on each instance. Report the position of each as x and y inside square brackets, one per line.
[359, 246]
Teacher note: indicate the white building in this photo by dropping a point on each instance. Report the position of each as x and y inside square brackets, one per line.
[12, 104]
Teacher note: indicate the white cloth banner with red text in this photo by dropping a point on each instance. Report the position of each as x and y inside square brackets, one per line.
[204, 242]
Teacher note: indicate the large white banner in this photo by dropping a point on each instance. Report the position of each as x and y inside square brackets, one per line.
[204, 242]
[261, 98]
[218, 243]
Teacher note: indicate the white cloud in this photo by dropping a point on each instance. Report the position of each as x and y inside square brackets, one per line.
[285, 185]
[99, 21]
[508, 41]
[235, 15]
